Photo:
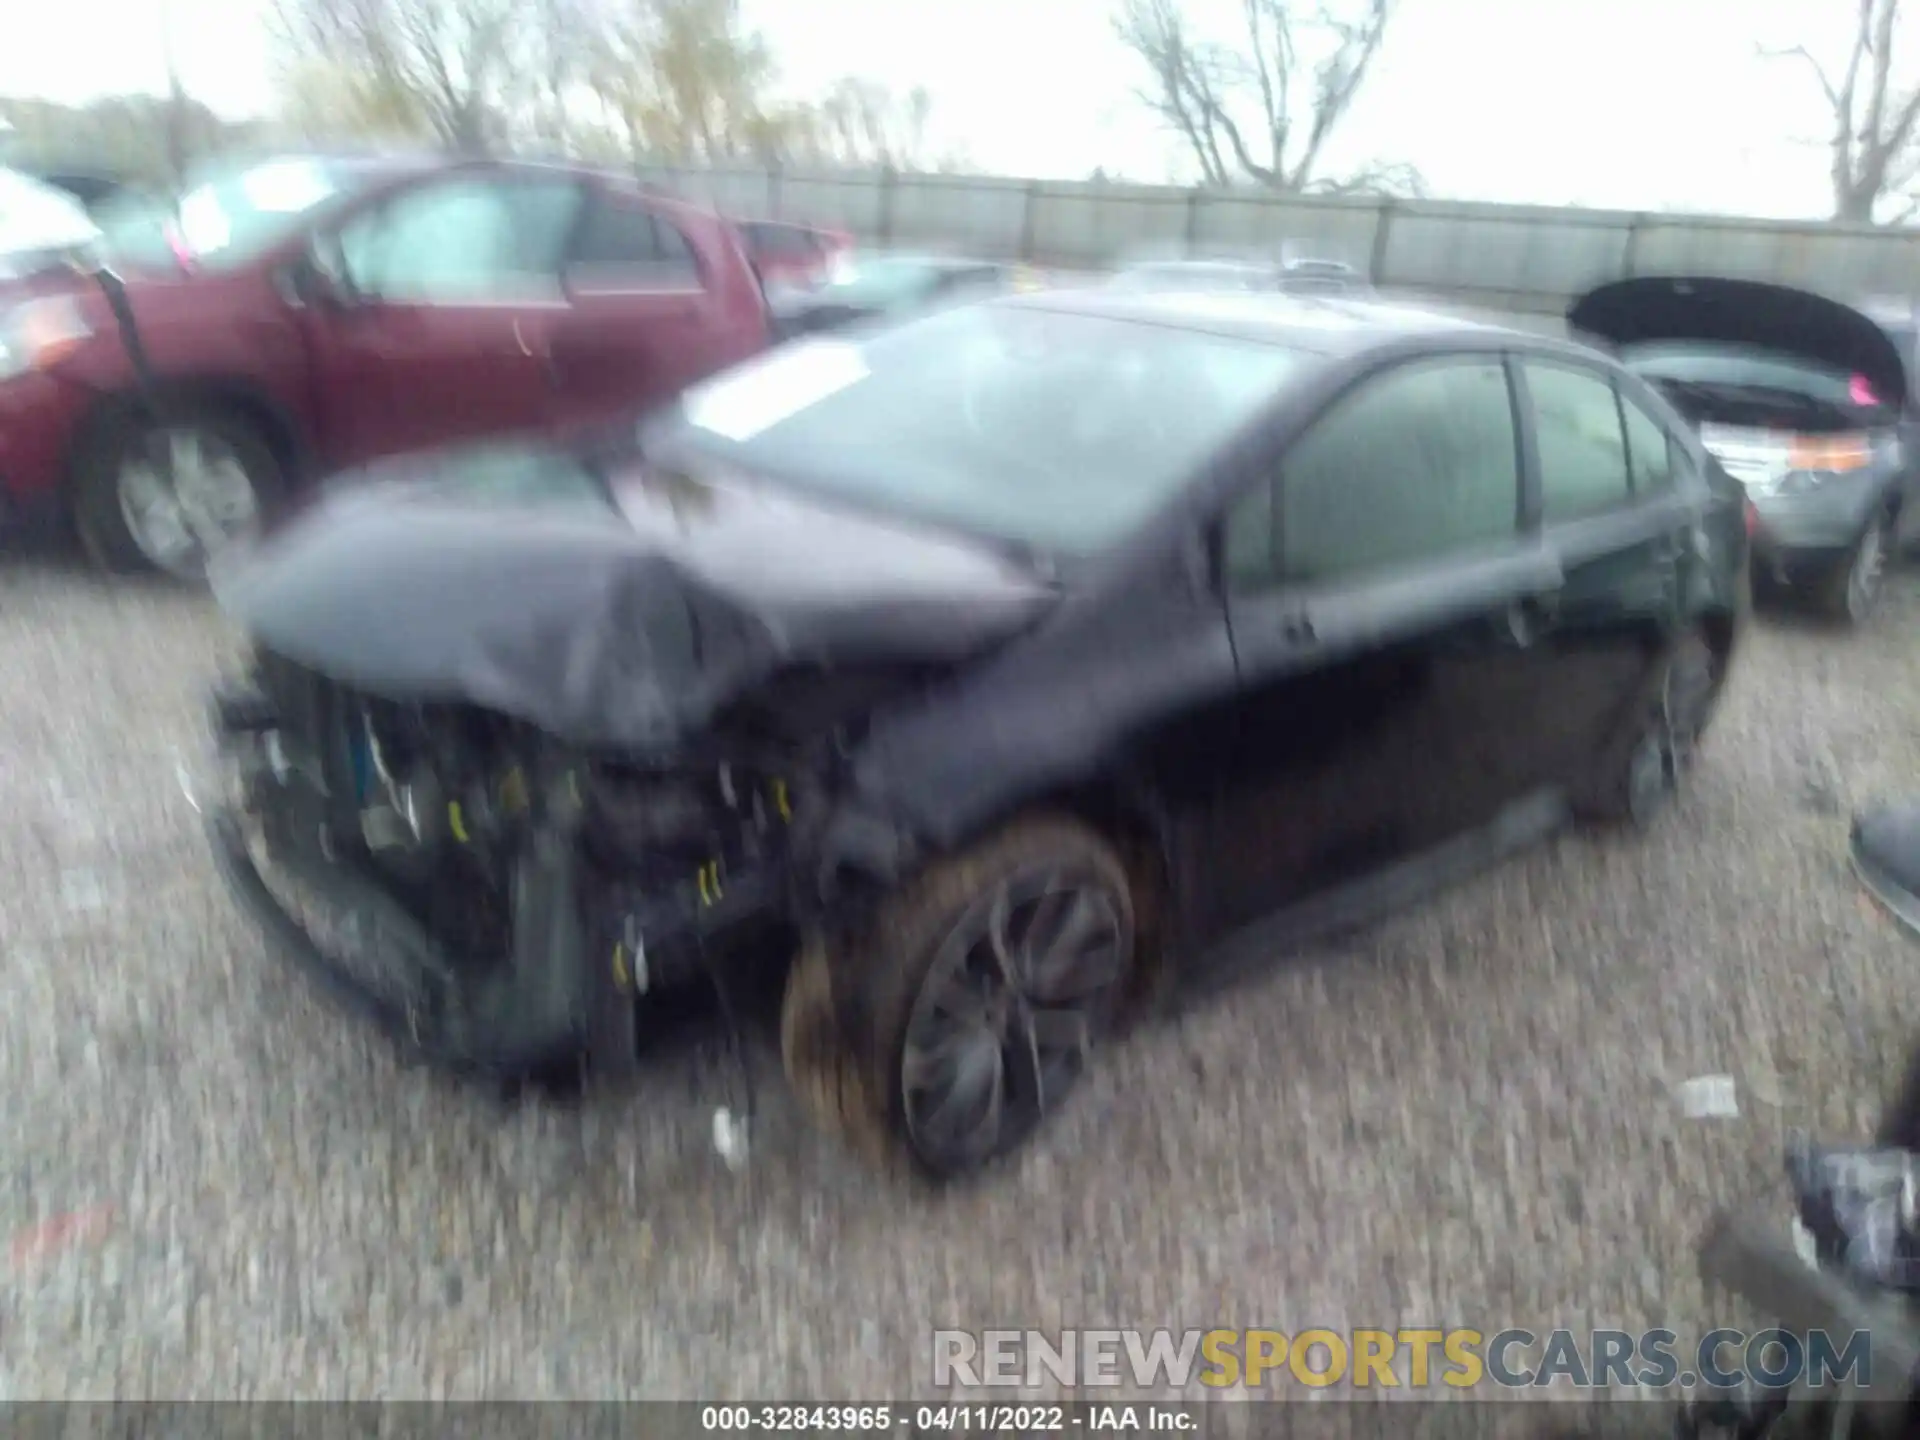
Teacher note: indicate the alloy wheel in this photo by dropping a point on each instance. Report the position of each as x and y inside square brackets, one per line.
[1686, 701]
[184, 513]
[1016, 995]
[1865, 573]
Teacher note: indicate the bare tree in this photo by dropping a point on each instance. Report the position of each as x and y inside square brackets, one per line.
[447, 65]
[686, 81]
[1874, 147]
[1262, 108]
[863, 123]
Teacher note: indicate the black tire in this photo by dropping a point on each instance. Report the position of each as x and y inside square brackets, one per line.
[100, 519]
[1852, 591]
[1635, 780]
[1900, 1121]
[849, 1017]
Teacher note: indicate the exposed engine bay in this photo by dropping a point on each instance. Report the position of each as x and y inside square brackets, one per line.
[532, 892]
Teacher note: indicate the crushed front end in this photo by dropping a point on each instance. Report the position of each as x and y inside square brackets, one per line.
[494, 900]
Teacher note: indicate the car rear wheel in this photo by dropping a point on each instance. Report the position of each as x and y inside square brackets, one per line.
[962, 1018]
[1636, 781]
[136, 514]
[1853, 591]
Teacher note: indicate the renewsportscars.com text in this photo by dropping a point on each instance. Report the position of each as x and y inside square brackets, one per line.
[1459, 1359]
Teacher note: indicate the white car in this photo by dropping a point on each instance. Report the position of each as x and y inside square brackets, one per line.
[39, 225]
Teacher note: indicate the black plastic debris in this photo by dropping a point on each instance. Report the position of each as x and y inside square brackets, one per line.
[1861, 1207]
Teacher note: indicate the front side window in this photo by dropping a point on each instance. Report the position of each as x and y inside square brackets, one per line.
[1583, 449]
[624, 236]
[1056, 430]
[780, 242]
[1417, 463]
[471, 240]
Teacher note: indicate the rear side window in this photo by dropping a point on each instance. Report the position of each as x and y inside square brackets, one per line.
[781, 242]
[1417, 463]
[1650, 450]
[1583, 449]
[627, 240]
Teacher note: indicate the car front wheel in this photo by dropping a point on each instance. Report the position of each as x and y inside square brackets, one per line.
[963, 1017]
[168, 498]
[1635, 781]
[1853, 590]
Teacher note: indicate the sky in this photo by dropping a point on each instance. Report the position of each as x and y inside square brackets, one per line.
[1639, 104]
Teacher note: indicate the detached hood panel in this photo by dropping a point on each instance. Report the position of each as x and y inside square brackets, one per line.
[505, 578]
[1745, 312]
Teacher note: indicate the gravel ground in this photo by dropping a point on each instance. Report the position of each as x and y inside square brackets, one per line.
[216, 1188]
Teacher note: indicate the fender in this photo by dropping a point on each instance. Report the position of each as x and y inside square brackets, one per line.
[290, 440]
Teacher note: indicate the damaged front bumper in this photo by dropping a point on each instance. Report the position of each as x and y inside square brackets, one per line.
[1755, 1257]
[582, 953]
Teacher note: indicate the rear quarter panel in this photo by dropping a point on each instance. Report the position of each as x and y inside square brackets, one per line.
[742, 325]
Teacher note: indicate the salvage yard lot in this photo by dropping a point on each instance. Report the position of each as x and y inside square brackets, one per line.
[215, 1187]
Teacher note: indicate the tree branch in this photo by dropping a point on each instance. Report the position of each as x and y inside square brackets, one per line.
[1210, 93]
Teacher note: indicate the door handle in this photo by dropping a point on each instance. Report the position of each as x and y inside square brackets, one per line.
[539, 349]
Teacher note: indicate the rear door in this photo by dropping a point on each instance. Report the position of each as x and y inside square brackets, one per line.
[1373, 589]
[1604, 498]
[642, 320]
[457, 286]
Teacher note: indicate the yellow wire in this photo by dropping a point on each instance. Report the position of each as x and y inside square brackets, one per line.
[457, 822]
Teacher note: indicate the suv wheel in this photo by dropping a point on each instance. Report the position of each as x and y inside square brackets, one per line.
[132, 516]
[963, 1018]
[1854, 589]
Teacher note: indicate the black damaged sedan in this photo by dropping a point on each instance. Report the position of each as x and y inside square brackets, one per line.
[1017, 667]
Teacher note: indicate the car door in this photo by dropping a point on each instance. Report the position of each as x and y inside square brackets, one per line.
[641, 323]
[453, 286]
[1605, 502]
[1376, 589]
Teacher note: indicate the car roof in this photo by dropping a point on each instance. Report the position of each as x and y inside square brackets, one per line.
[1321, 324]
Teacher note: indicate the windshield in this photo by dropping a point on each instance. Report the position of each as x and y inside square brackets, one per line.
[1055, 431]
[34, 216]
[226, 219]
[879, 282]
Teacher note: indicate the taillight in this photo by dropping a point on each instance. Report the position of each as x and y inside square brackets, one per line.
[1830, 454]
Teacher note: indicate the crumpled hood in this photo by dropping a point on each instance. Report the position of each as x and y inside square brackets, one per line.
[504, 576]
[1744, 312]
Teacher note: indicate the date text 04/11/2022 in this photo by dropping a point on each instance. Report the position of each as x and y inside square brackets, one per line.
[946, 1419]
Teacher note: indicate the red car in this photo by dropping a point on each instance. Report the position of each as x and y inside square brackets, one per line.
[789, 254]
[306, 314]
